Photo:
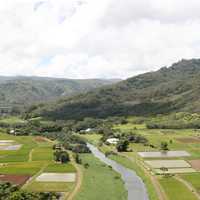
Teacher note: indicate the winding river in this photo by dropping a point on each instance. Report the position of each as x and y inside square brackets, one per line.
[133, 183]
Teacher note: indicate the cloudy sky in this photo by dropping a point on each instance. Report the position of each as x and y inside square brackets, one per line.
[96, 38]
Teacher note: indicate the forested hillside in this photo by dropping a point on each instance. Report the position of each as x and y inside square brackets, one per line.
[22, 91]
[176, 88]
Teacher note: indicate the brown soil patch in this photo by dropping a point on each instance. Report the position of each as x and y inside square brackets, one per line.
[40, 139]
[195, 164]
[15, 179]
[189, 140]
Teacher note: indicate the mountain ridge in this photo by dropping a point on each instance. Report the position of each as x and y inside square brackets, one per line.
[24, 90]
[163, 91]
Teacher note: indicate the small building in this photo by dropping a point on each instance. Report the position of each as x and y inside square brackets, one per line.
[12, 131]
[112, 140]
[88, 130]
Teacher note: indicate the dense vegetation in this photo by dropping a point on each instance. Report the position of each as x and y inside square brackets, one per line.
[164, 91]
[175, 121]
[19, 91]
[11, 192]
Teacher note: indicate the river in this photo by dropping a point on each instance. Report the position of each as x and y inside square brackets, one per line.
[133, 183]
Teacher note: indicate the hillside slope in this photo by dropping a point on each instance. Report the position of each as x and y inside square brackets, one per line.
[27, 90]
[176, 88]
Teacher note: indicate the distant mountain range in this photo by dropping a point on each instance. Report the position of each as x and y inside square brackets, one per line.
[23, 91]
[172, 89]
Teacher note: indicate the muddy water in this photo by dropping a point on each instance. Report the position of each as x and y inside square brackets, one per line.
[133, 183]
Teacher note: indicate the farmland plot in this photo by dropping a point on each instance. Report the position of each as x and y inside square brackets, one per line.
[195, 164]
[157, 164]
[56, 177]
[164, 154]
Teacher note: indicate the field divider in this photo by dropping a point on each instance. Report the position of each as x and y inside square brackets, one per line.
[79, 178]
[30, 155]
[188, 185]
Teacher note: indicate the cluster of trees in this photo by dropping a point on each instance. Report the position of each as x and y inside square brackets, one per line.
[12, 192]
[61, 156]
[180, 120]
[69, 141]
[164, 146]
[126, 139]
[122, 145]
[174, 125]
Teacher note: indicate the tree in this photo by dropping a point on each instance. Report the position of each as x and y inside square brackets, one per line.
[122, 145]
[61, 156]
[164, 146]
[57, 156]
[81, 148]
[78, 159]
[64, 157]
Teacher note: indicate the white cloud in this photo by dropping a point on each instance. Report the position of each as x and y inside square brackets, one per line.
[91, 38]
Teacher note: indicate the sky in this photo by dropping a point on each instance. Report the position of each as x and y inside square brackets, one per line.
[96, 38]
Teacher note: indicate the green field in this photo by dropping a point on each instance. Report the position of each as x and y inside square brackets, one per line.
[34, 158]
[100, 182]
[23, 168]
[176, 190]
[155, 136]
[60, 168]
[21, 155]
[50, 187]
[193, 179]
[43, 152]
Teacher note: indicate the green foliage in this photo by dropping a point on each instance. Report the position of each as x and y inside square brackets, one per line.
[180, 120]
[122, 145]
[176, 190]
[164, 146]
[10, 192]
[81, 148]
[61, 156]
[18, 92]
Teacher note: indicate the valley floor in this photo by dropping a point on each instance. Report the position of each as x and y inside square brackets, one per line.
[181, 186]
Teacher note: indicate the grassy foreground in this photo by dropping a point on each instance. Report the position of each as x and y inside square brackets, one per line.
[100, 182]
[193, 179]
[176, 190]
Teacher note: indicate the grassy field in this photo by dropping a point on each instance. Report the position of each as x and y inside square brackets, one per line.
[193, 179]
[100, 182]
[23, 168]
[21, 155]
[34, 158]
[50, 187]
[64, 168]
[176, 190]
[43, 152]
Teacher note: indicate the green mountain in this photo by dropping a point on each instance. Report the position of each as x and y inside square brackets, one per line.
[22, 91]
[176, 88]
